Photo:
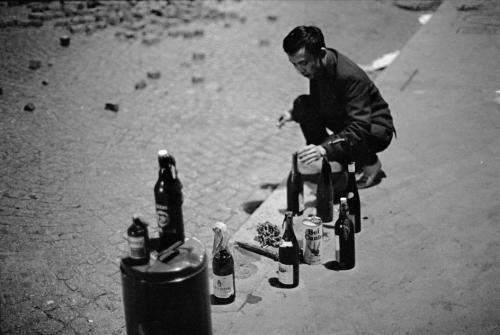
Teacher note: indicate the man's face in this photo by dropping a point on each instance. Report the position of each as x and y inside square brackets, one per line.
[305, 63]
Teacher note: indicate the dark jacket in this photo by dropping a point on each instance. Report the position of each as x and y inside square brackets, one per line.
[350, 105]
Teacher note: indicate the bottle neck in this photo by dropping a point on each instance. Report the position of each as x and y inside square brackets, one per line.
[168, 171]
[351, 167]
[295, 167]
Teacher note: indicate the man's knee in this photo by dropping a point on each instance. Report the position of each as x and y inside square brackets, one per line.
[301, 107]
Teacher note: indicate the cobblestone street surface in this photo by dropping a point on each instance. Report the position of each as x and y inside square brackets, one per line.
[205, 80]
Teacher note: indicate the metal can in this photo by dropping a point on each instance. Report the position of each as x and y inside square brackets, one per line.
[313, 235]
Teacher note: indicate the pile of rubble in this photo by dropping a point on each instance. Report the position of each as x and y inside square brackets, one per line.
[149, 21]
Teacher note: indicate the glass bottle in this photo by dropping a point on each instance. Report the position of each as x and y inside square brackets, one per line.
[223, 267]
[288, 255]
[295, 189]
[138, 240]
[344, 238]
[324, 194]
[168, 200]
[352, 195]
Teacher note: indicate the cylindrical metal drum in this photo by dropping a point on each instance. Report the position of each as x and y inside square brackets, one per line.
[169, 296]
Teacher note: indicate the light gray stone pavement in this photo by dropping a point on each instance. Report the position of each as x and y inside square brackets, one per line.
[72, 173]
[427, 255]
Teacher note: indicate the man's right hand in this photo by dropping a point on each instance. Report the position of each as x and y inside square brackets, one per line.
[284, 118]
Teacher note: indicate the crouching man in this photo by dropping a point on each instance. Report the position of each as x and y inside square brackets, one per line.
[343, 118]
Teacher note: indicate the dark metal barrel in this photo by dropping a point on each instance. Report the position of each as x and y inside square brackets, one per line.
[169, 296]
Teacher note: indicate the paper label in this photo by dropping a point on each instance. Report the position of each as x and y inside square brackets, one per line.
[223, 286]
[137, 247]
[285, 273]
[162, 215]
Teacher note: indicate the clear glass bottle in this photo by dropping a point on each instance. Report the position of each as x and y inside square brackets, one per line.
[224, 287]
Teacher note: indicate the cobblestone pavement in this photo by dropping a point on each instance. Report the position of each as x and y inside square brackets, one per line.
[73, 173]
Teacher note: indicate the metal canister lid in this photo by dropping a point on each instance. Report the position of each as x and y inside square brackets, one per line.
[186, 261]
[312, 220]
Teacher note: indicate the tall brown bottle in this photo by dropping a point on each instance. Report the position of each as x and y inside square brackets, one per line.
[222, 267]
[352, 195]
[168, 199]
[344, 238]
[289, 255]
[295, 189]
[324, 194]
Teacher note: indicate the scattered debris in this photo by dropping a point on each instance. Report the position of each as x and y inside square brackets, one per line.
[1, 91]
[423, 19]
[264, 43]
[64, 41]
[466, 7]
[272, 18]
[112, 107]
[198, 56]
[35, 64]
[50, 302]
[44, 83]
[197, 79]
[381, 63]
[140, 85]
[29, 107]
[154, 74]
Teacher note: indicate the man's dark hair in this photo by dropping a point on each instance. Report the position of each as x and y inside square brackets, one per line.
[309, 37]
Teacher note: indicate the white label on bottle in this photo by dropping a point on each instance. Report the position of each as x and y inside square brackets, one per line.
[223, 286]
[285, 273]
[137, 247]
[301, 202]
[162, 215]
[337, 248]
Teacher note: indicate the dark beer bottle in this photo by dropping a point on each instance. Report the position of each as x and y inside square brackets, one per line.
[344, 238]
[223, 267]
[288, 255]
[352, 195]
[138, 241]
[324, 194]
[295, 189]
[168, 200]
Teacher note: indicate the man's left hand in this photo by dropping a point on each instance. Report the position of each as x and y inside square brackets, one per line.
[310, 153]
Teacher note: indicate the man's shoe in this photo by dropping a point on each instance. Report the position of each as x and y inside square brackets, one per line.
[370, 175]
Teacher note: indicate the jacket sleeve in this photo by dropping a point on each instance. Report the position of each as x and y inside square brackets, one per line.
[349, 141]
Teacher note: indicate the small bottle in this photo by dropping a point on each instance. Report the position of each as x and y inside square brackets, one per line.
[324, 194]
[295, 189]
[288, 255]
[168, 201]
[352, 195]
[344, 238]
[222, 267]
[138, 241]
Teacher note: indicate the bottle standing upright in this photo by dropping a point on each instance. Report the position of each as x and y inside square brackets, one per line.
[222, 267]
[168, 199]
[344, 238]
[324, 194]
[295, 189]
[288, 255]
[352, 195]
[138, 240]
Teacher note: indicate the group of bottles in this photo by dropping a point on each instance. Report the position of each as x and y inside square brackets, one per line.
[168, 203]
[349, 219]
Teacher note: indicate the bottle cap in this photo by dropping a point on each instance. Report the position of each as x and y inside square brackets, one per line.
[351, 167]
[163, 153]
[343, 200]
[220, 225]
